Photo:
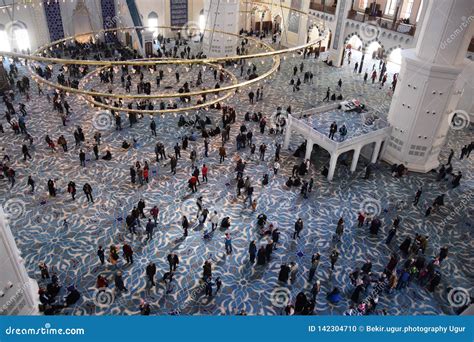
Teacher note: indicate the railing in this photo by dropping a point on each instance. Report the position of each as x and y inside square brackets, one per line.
[322, 8]
[324, 140]
[383, 22]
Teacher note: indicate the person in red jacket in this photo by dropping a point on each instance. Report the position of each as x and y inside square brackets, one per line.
[154, 212]
[102, 282]
[192, 183]
[204, 173]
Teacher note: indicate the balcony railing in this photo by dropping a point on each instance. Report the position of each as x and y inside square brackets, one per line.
[385, 23]
[322, 8]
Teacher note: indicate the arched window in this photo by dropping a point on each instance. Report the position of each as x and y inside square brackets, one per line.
[202, 21]
[408, 9]
[363, 4]
[391, 6]
[4, 40]
[22, 39]
[153, 23]
[18, 35]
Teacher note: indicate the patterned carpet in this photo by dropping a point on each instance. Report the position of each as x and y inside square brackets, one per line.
[70, 249]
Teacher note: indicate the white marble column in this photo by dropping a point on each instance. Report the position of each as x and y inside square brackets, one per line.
[376, 151]
[355, 158]
[337, 42]
[309, 149]
[286, 142]
[428, 88]
[332, 166]
[18, 292]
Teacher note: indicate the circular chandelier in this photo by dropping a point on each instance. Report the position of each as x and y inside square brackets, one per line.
[106, 105]
[40, 55]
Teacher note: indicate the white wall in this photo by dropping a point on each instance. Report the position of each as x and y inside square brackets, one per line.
[18, 293]
[162, 8]
[94, 11]
[35, 20]
[223, 17]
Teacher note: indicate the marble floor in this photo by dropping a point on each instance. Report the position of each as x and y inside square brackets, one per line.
[37, 220]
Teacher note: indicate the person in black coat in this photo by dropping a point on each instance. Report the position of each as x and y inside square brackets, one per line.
[434, 282]
[375, 226]
[173, 261]
[269, 250]
[252, 251]
[367, 267]
[207, 270]
[284, 273]
[88, 191]
[185, 225]
[275, 237]
[443, 253]
[101, 255]
[355, 297]
[301, 303]
[261, 256]
[150, 272]
[72, 297]
[405, 246]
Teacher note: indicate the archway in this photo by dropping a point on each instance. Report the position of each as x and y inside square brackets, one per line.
[81, 22]
[354, 43]
[375, 50]
[263, 19]
[315, 32]
[394, 60]
[15, 36]
[202, 21]
[4, 40]
[153, 23]
[356, 46]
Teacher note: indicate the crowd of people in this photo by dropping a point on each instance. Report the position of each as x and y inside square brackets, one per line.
[410, 265]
